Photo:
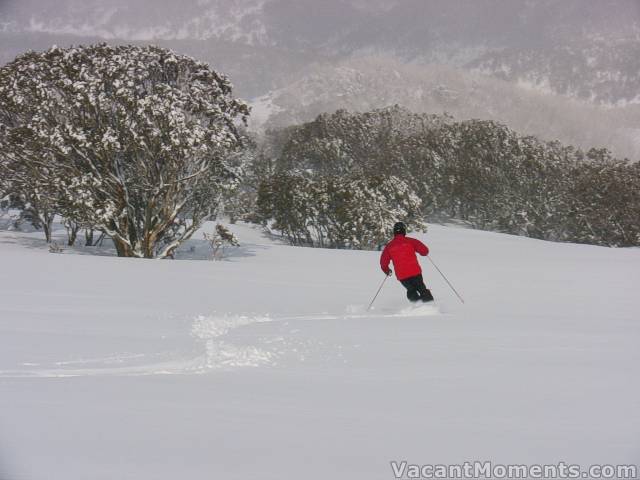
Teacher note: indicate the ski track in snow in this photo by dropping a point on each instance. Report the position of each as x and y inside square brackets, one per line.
[210, 351]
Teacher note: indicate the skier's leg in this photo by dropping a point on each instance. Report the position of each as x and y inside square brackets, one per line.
[425, 293]
[412, 291]
[413, 295]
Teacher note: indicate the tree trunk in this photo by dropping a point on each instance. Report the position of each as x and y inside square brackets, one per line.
[72, 232]
[149, 251]
[47, 232]
[72, 235]
[100, 240]
[148, 244]
[47, 226]
[88, 237]
[122, 248]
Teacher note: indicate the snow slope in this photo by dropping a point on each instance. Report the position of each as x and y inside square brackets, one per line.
[266, 365]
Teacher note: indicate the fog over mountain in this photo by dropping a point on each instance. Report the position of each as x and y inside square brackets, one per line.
[566, 69]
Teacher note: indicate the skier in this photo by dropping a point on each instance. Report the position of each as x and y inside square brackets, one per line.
[402, 251]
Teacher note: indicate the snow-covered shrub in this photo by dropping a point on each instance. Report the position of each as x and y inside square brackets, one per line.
[338, 211]
[133, 141]
[222, 237]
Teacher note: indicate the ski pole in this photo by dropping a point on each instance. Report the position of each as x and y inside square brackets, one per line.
[376, 296]
[445, 278]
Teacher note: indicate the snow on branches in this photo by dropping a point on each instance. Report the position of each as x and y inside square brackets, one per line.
[477, 171]
[134, 141]
[338, 211]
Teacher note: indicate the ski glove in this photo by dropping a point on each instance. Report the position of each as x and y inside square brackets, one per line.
[389, 272]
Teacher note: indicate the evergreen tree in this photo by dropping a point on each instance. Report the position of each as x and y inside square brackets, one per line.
[134, 141]
[477, 171]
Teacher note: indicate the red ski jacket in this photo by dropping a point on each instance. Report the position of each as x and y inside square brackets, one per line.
[402, 250]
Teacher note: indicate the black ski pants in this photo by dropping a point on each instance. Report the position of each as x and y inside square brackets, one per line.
[416, 289]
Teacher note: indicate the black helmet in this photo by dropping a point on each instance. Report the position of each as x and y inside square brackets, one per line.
[400, 228]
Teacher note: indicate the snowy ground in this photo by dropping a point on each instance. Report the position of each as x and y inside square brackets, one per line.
[266, 366]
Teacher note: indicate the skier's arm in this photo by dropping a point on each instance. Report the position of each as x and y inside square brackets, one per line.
[385, 259]
[420, 247]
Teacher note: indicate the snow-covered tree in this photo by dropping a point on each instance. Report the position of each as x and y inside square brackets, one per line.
[478, 171]
[30, 194]
[338, 211]
[134, 141]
